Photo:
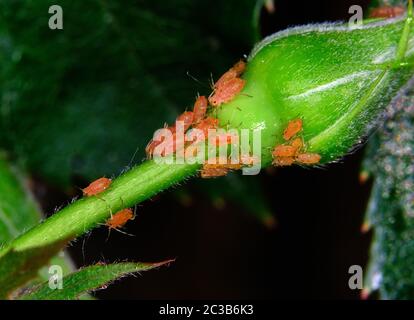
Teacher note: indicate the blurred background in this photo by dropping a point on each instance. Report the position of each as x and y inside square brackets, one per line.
[78, 103]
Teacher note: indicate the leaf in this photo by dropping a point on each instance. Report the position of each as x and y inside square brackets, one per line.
[17, 267]
[18, 210]
[391, 207]
[93, 93]
[89, 279]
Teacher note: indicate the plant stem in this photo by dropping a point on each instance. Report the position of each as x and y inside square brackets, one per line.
[132, 187]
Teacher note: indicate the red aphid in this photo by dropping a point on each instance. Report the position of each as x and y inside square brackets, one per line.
[207, 123]
[119, 219]
[187, 118]
[229, 85]
[293, 128]
[200, 109]
[97, 187]
[387, 12]
[226, 92]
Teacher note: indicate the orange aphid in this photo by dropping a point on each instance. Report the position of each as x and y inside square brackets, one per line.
[96, 187]
[149, 149]
[387, 12]
[207, 123]
[226, 92]
[293, 128]
[284, 151]
[297, 143]
[283, 161]
[187, 118]
[119, 219]
[308, 158]
[229, 85]
[213, 172]
[200, 109]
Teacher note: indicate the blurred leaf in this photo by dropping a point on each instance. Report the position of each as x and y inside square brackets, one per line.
[391, 208]
[79, 101]
[18, 267]
[89, 279]
[18, 210]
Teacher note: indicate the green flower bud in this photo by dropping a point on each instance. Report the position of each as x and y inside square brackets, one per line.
[336, 79]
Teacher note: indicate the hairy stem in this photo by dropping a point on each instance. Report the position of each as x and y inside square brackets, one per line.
[133, 187]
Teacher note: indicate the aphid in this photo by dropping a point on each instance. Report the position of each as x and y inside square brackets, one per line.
[308, 158]
[149, 149]
[213, 172]
[119, 219]
[200, 109]
[207, 123]
[284, 151]
[97, 187]
[293, 128]
[187, 118]
[226, 92]
[297, 143]
[283, 161]
[229, 85]
[387, 12]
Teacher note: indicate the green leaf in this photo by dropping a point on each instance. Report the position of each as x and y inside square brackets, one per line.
[17, 267]
[391, 208]
[89, 279]
[18, 210]
[80, 101]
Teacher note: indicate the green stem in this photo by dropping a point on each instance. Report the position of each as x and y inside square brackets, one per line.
[133, 187]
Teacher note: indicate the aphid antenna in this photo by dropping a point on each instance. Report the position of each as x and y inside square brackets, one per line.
[133, 157]
[197, 80]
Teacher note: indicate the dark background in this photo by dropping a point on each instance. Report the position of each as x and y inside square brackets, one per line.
[224, 254]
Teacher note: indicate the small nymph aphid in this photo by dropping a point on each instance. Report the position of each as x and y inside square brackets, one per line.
[292, 151]
[293, 128]
[200, 109]
[119, 219]
[308, 158]
[96, 187]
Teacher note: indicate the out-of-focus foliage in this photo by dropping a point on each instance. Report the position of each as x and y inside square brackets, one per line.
[391, 209]
[79, 101]
[88, 279]
[389, 160]
[18, 210]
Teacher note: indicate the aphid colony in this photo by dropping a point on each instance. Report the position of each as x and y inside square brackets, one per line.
[292, 151]
[224, 90]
